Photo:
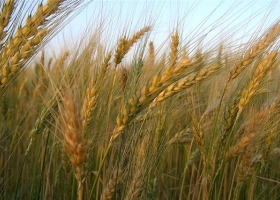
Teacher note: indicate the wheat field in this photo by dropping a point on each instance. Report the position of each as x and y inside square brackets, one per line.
[118, 116]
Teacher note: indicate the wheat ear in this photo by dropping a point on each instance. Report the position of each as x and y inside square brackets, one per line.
[181, 137]
[45, 118]
[23, 45]
[198, 137]
[185, 83]
[244, 171]
[122, 49]
[74, 139]
[258, 75]
[105, 65]
[231, 114]
[109, 190]
[137, 182]
[138, 35]
[253, 52]
[125, 44]
[260, 118]
[173, 56]
[240, 146]
[124, 77]
[151, 55]
[5, 16]
[146, 95]
[89, 104]
[269, 144]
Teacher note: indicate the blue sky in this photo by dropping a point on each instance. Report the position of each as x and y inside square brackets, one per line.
[228, 20]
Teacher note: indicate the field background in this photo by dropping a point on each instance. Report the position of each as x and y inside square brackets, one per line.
[132, 107]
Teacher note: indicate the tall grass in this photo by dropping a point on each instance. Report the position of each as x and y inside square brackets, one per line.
[130, 120]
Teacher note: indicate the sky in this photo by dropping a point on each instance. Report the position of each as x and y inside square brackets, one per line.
[211, 20]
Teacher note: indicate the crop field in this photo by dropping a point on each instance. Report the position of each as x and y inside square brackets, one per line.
[126, 114]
